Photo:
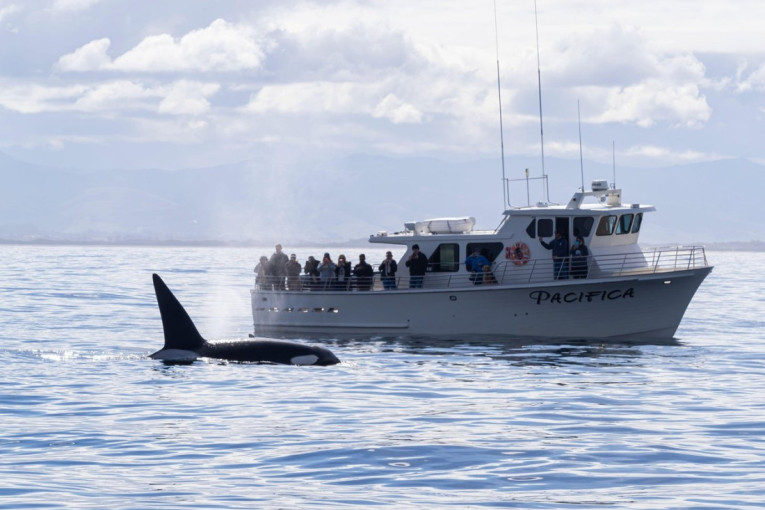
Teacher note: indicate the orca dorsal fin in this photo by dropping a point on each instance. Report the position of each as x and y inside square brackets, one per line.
[180, 331]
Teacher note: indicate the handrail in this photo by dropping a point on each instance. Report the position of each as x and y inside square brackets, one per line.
[508, 272]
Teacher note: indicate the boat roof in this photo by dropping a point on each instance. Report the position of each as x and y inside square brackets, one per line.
[601, 201]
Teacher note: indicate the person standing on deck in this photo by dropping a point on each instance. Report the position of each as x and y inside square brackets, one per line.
[417, 264]
[559, 247]
[364, 274]
[277, 268]
[388, 270]
[292, 268]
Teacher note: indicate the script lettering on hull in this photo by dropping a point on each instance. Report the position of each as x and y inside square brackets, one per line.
[542, 296]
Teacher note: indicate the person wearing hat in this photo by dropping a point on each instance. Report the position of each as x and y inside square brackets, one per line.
[417, 264]
[364, 274]
[292, 268]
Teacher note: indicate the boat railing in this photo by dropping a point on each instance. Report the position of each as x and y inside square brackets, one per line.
[509, 272]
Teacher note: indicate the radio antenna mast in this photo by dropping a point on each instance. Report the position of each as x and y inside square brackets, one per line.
[541, 127]
[581, 160]
[505, 197]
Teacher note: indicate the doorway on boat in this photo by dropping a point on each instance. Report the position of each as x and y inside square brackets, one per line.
[561, 225]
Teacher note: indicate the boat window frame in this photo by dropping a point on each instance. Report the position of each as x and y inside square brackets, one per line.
[637, 223]
[493, 249]
[434, 261]
[547, 232]
[606, 225]
[531, 230]
[583, 230]
[620, 227]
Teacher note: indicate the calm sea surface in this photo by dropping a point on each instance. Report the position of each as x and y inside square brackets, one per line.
[88, 422]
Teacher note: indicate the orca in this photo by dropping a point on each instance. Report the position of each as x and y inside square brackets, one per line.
[184, 344]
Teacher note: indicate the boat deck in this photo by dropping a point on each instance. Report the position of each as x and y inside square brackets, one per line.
[538, 271]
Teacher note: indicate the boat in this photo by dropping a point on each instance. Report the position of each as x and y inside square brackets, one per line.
[621, 291]
[617, 289]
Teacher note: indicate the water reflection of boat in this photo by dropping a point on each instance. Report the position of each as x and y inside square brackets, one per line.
[622, 291]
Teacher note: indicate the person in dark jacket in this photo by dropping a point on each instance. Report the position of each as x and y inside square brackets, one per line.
[559, 247]
[417, 264]
[388, 270]
[364, 274]
[276, 267]
[292, 269]
[579, 258]
[311, 270]
[343, 273]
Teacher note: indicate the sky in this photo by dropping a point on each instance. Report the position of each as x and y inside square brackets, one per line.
[128, 84]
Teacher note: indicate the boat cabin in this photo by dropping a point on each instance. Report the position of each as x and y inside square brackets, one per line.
[607, 227]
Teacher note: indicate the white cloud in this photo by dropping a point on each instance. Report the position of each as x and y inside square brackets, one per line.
[108, 98]
[73, 5]
[754, 81]
[92, 56]
[397, 111]
[31, 99]
[316, 97]
[115, 96]
[7, 10]
[188, 98]
[667, 154]
[221, 46]
[624, 79]
[653, 101]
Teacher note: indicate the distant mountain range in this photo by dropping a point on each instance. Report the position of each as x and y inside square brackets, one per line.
[326, 200]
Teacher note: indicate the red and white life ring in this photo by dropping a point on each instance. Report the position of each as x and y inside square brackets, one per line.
[519, 253]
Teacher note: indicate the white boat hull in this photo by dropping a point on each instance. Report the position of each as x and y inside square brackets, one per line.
[648, 306]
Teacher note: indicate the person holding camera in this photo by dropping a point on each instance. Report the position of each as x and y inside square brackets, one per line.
[417, 264]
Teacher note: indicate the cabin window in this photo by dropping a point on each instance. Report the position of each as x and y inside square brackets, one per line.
[636, 224]
[606, 226]
[531, 230]
[583, 225]
[488, 250]
[545, 227]
[445, 258]
[625, 224]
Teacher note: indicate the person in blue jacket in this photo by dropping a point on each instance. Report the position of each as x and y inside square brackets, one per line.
[559, 247]
[474, 263]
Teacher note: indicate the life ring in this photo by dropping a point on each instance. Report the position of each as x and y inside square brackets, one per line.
[519, 253]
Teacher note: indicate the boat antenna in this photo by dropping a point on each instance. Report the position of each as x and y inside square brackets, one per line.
[541, 127]
[581, 159]
[613, 152]
[505, 197]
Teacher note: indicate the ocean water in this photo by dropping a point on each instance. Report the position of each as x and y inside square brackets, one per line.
[87, 421]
